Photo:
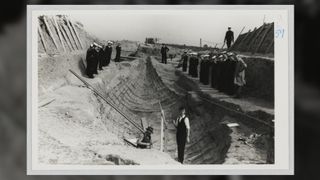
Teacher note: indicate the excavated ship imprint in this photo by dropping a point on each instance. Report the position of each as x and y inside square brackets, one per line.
[137, 90]
[139, 96]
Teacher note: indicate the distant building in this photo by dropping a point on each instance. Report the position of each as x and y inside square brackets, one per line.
[151, 40]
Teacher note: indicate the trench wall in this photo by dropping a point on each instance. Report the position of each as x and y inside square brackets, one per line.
[210, 140]
[260, 78]
[221, 115]
[140, 92]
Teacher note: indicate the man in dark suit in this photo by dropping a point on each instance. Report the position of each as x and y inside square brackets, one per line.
[164, 50]
[229, 38]
[118, 53]
[108, 53]
[101, 58]
[91, 59]
[184, 61]
[183, 133]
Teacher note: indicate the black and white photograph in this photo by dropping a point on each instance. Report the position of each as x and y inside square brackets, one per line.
[160, 90]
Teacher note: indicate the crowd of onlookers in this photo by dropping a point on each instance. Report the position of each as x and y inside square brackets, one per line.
[100, 56]
[224, 71]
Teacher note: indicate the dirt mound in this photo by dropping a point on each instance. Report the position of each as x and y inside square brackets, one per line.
[81, 126]
[59, 34]
[259, 41]
[260, 78]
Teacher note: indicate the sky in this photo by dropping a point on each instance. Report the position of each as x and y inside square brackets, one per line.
[171, 26]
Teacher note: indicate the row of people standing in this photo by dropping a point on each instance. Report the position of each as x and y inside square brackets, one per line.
[223, 71]
[100, 56]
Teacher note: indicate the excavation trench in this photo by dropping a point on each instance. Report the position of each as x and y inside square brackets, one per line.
[140, 94]
[80, 126]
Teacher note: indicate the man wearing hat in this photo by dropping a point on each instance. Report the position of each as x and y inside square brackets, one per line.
[108, 52]
[194, 62]
[164, 51]
[239, 78]
[91, 58]
[229, 38]
[183, 133]
[184, 61]
[97, 58]
[118, 53]
[145, 141]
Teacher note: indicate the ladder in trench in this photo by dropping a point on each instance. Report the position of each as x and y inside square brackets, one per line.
[108, 102]
[141, 129]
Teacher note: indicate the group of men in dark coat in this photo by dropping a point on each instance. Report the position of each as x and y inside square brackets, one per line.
[223, 71]
[100, 56]
[204, 70]
[193, 65]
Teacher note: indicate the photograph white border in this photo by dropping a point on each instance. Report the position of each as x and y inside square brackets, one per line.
[284, 99]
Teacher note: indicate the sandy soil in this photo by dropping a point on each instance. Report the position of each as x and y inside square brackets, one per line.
[72, 129]
[77, 127]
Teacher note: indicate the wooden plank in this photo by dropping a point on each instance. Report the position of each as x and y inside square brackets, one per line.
[131, 142]
[269, 47]
[255, 38]
[243, 40]
[71, 32]
[163, 119]
[234, 42]
[42, 39]
[50, 32]
[262, 39]
[59, 33]
[76, 33]
[77, 42]
[64, 32]
[144, 123]
[42, 104]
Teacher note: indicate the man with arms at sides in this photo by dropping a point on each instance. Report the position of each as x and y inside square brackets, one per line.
[183, 133]
[229, 38]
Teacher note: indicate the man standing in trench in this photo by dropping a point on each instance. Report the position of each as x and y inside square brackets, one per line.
[183, 133]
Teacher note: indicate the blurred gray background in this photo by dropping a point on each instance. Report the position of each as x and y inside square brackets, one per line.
[13, 88]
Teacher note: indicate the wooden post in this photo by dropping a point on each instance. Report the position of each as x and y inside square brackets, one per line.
[162, 129]
[41, 38]
[262, 39]
[243, 41]
[75, 31]
[232, 47]
[71, 32]
[161, 135]
[269, 47]
[64, 32]
[64, 37]
[50, 32]
[59, 33]
[76, 40]
[255, 38]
